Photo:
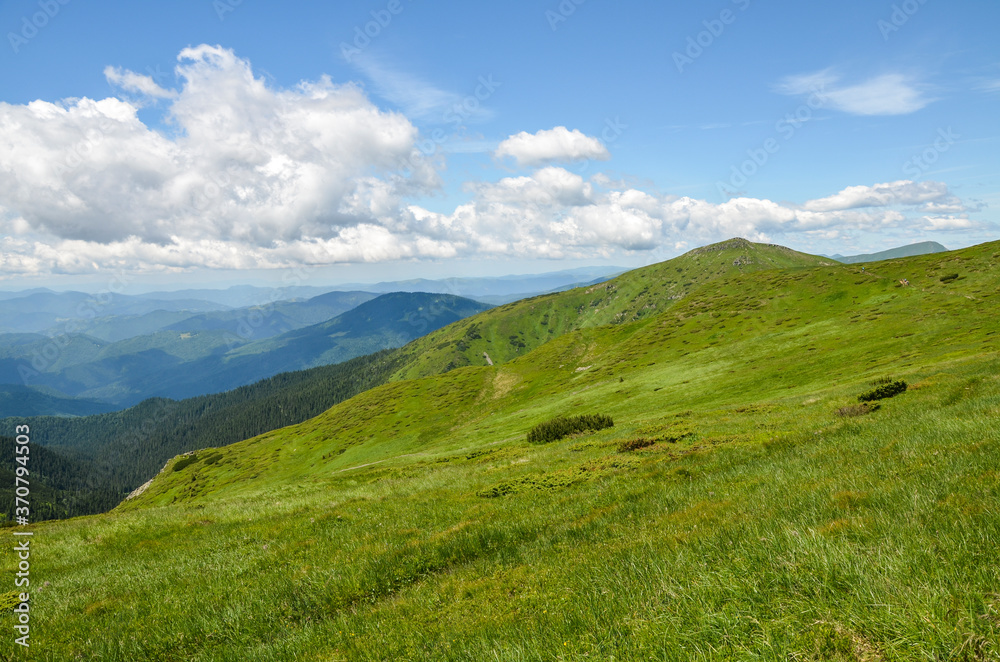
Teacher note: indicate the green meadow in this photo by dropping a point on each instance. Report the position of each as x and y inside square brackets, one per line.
[744, 506]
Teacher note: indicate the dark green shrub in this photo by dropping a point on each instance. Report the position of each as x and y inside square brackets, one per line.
[544, 481]
[635, 444]
[655, 434]
[185, 461]
[499, 490]
[948, 278]
[884, 391]
[558, 428]
[213, 458]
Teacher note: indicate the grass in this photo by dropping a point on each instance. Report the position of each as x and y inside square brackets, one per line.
[732, 513]
[515, 329]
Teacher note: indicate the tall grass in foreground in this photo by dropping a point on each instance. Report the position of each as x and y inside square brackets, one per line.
[825, 539]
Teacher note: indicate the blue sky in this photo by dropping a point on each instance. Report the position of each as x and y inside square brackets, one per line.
[201, 141]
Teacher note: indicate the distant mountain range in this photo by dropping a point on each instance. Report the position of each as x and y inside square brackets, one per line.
[911, 250]
[241, 296]
[27, 401]
[74, 353]
[210, 356]
[499, 289]
[36, 311]
[119, 316]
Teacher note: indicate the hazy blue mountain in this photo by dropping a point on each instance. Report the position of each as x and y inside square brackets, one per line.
[922, 248]
[182, 364]
[520, 286]
[42, 353]
[261, 322]
[29, 401]
[252, 323]
[15, 294]
[120, 327]
[242, 296]
[391, 320]
[60, 312]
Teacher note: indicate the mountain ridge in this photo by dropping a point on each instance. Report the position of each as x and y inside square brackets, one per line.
[180, 364]
[910, 250]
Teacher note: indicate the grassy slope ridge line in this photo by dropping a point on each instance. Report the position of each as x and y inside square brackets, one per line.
[831, 324]
[515, 329]
[762, 525]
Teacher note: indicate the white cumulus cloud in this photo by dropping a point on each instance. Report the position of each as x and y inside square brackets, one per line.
[248, 162]
[903, 192]
[552, 146]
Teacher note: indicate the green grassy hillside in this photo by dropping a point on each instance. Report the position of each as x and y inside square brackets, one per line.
[743, 506]
[515, 329]
[804, 329]
[124, 449]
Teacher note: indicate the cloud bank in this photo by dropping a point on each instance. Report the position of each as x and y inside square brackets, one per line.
[244, 175]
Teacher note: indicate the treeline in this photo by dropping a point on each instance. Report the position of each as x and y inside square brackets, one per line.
[112, 454]
[58, 486]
